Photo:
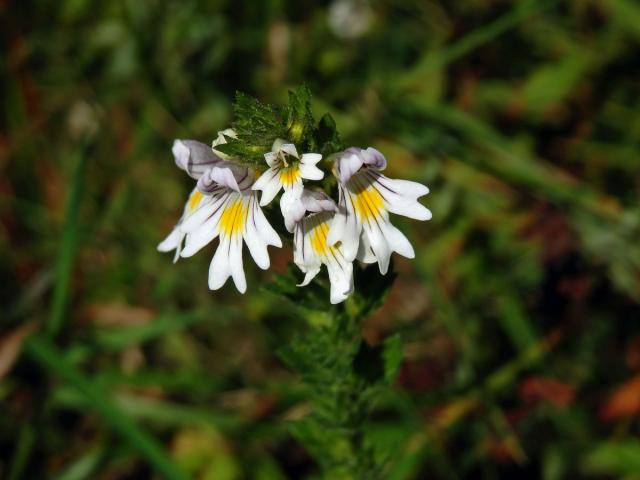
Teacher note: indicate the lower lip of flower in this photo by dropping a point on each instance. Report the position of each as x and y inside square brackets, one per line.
[233, 218]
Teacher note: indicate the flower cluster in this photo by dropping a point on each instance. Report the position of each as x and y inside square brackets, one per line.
[224, 203]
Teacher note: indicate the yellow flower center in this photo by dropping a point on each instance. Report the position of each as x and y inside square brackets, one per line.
[318, 238]
[233, 218]
[289, 175]
[194, 200]
[368, 202]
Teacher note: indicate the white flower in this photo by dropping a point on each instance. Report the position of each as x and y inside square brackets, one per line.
[366, 198]
[311, 249]
[224, 205]
[286, 171]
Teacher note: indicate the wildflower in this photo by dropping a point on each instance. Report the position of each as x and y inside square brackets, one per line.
[365, 199]
[286, 171]
[311, 249]
[224, 205]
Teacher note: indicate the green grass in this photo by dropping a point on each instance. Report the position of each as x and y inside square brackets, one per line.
[518, 316]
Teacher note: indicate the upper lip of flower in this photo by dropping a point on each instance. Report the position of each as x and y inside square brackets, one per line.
[194, 157]
[279, 154]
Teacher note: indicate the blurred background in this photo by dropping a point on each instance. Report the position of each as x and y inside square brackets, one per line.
[519, 315]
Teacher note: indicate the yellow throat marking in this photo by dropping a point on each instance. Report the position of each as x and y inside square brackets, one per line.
[233, 217]
[318, 239]
[368, 203]
[194, 200]
[289, 175]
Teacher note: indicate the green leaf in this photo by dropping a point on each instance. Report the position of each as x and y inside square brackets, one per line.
[614, 458]
[257, 126]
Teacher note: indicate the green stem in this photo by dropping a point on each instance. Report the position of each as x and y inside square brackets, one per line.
[68, 244]
[23, 449]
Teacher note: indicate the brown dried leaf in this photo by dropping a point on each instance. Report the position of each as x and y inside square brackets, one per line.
[624, 402]
[11, 346]
[536, 389]
[115, 314]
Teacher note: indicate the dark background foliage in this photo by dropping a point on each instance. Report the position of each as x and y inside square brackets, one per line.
[519, 315]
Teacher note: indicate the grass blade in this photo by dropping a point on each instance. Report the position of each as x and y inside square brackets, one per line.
[66, 253]
[51, 359]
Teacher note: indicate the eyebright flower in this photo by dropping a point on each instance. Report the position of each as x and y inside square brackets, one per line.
[311, 249]
[286, 171]
[365, 199]
[224, 205]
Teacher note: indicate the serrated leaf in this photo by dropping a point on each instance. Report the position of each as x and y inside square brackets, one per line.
[257, 126]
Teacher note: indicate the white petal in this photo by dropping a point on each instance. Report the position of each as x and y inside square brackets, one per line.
[374, 158]
[365, 254]
[269, 183]
[235, 263]
[311, 172]
[265, 178]
[400, 196]
[347, 165]
[338, 224]
[180, 154]
[224, 175]
[379, 245]
[255, 243]
[263, 227]
[309, 275]
[398, 242]
[310, 158]
[292, 208]
[345, 227]
[316, 201]
[194, 157]
[271, 188]
[413, 210]
[172, 241]
[194, 220]
[341, 278]
[219, 268]
[272, 159]
[289, 149]
[303, 255]
[403, 188]
[204, 233]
